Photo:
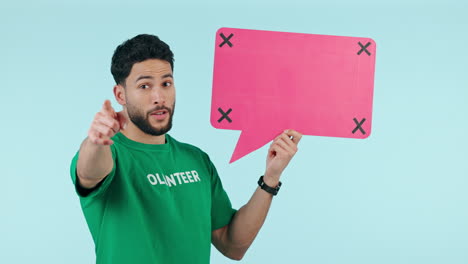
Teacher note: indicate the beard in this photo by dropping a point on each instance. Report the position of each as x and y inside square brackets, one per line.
[142, 120]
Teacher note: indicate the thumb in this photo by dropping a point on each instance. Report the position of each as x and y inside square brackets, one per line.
[122, 119]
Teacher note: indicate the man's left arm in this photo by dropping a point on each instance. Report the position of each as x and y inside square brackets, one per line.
[234, 239]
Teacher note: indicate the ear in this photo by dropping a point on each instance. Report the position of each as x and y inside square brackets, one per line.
[119, 93]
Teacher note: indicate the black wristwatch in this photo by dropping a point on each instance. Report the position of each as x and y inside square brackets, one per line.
[267, 188]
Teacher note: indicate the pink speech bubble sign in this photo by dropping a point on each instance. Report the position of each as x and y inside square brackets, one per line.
[265, 82]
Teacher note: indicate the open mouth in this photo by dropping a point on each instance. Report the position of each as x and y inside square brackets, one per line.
[160, 114]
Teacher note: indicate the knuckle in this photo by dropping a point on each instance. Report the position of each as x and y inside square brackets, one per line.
[108, 132]
[91, 133]
[93, 129]
[105, 114]
[105, 120]
[98, 116]
[93, 139]
[95, 123]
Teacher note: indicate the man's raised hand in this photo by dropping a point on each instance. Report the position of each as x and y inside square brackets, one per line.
[105, 125]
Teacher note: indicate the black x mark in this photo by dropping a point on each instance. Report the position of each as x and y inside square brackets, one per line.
[359, 124]
[364, 48]
[226, 40]
[224, 115]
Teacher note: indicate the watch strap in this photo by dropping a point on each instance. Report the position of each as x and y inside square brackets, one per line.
[267, 188]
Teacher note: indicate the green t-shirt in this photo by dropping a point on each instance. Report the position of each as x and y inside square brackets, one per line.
[158, 205]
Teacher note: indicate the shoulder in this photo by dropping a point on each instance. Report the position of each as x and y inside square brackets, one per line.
[196, 154]
[189, 148]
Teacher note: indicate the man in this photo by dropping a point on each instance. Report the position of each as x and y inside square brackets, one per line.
[148, 198]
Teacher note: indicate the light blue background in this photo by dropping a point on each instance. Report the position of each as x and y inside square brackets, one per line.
[399, 196]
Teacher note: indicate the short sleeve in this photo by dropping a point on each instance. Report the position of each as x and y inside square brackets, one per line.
[221, 208]
[101, 187]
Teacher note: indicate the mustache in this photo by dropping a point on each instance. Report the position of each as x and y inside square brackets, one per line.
[160, 108]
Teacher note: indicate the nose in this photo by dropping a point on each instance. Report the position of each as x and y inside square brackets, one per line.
[158, 97]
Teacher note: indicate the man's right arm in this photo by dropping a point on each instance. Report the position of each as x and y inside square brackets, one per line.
[94, 163]
[95, 156]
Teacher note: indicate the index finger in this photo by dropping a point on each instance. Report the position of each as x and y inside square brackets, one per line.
[107, 107]
[296, 136]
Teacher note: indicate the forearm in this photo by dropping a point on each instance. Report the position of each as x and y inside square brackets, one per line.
[234, 239]
[94, 163]
[249, 219]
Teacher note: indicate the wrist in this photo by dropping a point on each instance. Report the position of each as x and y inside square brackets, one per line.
[269, 189]
[271, 180]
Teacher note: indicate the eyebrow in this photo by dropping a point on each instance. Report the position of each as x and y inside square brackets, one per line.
[167, 75]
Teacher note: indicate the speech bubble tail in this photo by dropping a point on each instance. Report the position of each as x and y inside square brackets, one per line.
[250, 141]
[236, 155]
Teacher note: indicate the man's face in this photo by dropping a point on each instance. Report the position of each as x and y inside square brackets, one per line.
[150, 96]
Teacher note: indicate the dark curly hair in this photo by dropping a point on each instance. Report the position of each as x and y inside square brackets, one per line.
[138, 49]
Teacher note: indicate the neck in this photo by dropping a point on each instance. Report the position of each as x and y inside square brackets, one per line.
[134, 133]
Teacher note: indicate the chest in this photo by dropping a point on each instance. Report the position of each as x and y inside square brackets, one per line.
[164, 182]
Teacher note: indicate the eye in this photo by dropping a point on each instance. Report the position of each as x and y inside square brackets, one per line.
[167, 84]
[144, 86]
